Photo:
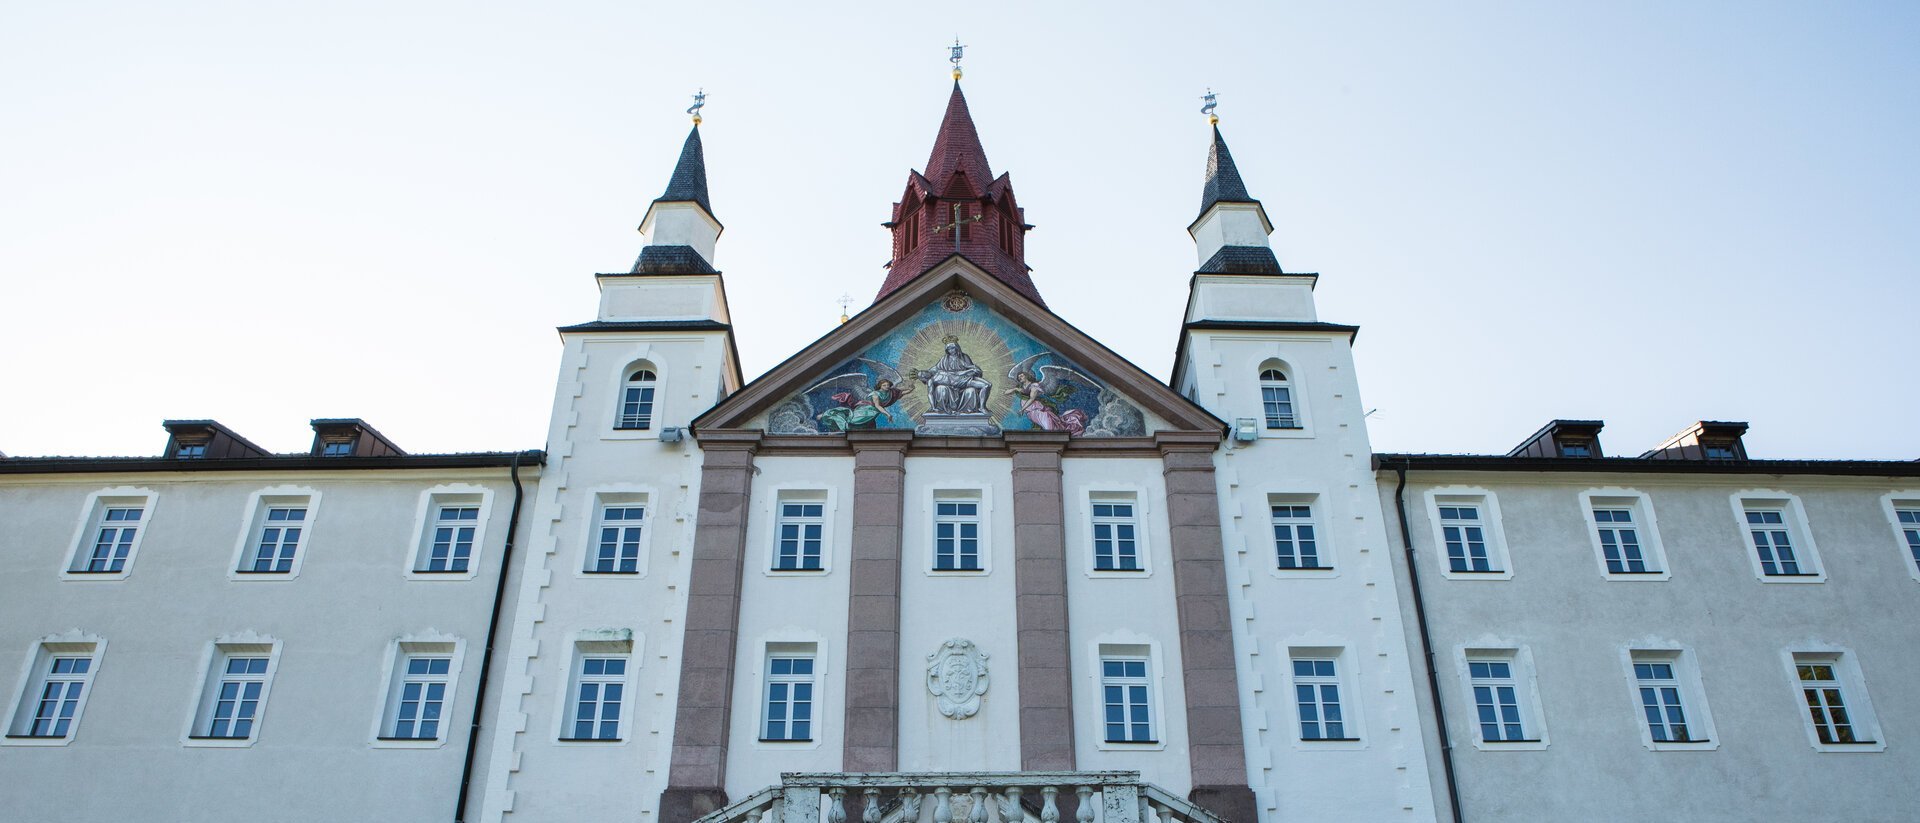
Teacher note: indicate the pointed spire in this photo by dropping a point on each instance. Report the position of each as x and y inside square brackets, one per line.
[689, 181]
[957, 146]
[1223, 177]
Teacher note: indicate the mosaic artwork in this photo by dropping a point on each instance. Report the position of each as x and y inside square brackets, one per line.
[958, 369]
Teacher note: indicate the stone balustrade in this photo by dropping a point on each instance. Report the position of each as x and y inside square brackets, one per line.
[962, 797]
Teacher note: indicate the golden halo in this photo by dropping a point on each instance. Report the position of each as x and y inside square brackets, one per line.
[929, 344]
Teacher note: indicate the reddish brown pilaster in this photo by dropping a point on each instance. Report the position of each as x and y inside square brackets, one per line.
[1040, 602]
[1216, 752]
[696, 778]
[872, 739]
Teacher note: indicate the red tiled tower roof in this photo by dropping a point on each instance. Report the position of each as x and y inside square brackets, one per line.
[958, 184]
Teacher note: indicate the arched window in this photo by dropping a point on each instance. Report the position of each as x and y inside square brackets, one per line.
[1276, 399]
[636, 400]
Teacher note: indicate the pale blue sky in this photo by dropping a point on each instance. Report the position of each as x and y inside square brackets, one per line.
[1644, 212]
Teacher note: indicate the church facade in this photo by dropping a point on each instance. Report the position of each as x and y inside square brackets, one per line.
[957, 561]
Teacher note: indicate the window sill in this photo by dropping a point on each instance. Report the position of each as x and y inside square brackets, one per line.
[408, 739]
[786, 740]
[795, 571]
[1619, 574]
[1852, 743]
[592, 740]
[594, 572]
[91, 571]
[1336, 740]
[440, 571]
[1476, 571]
[215, 737]
[1303, 568]
[1131, 742]
[1098, 570]
[1796, 578]
[37, 737]
[287, 573]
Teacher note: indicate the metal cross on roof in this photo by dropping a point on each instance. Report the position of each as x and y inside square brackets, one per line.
[956, 50]
[958, 221]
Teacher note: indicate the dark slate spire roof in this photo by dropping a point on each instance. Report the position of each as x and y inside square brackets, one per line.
[957, 147]
[689, 182]
[1223, 177]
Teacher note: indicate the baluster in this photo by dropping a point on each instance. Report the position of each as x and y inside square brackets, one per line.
[872, 813]
[764, 814]
[979, 812]
[1049, 806]
[943, 805]
[1084, 814]
[1010, 811]
[909, 805]
[1166, 815]
[1146, 809]
[837, 806]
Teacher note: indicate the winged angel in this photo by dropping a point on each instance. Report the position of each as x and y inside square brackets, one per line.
[861, 400]
[1042, 391]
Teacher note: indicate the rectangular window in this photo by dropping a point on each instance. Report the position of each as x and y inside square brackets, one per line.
[798, 535]
[1461, 527]
[636, 406]
[1496, 700]
[451, 547]
[1660, 701]
[601, 689]
[1909, 520]
[1620, 541]
[114, 539]
[956, 535]
[54, 702]
[277, 540]
[1825, 703]
[617, 547]
[1277, 402]
[1316, 690]
[1116, 546]
[423, 693]
[1769, 530]
[1124, 691]
[788, 712]
[191, 451]
[1294, 542]
[336, 448]
[237, 697]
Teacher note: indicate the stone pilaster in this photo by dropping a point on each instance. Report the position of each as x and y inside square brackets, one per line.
[696, 778]
[1040, 602]
[1216, 751]
[872, 738]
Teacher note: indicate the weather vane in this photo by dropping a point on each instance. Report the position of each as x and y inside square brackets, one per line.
[1212, 103]
[956, 49]
[844, 301]
[699, 102]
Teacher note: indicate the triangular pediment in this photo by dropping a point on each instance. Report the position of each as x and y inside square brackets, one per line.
[957, 353]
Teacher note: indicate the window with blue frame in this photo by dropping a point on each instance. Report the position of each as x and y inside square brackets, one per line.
[798, 535]
[278, 539]
[1620, 541]
[423, 694]
[1770, 533]
[788, 709]
[1294, 541]
[617, 551]
[451, 546]
[1910, 529]
[956, 535]
[1660, 701]
[1124, 689]
[237, 698]
[114, 539]
[1116, 546]
[61, 689]
[1496, 701]
[1465, 537]
[601, 686]
[1316, 689]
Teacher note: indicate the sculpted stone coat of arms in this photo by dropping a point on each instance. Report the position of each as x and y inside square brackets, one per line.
[957, 674]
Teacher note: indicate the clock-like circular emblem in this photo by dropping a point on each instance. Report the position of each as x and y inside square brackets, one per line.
[956, 301]
[957, 674]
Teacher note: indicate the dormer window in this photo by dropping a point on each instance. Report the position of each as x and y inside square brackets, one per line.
[1576, 448]
[191, 451]
[1719, 452]
[1276, 399]
[636, 400]
[336, 448]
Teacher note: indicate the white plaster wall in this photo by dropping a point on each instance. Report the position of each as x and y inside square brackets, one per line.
[681, 224]
[335, 623]
[1577, 624]
[1384, 775]
[1264, 297]
[1121, 609]
[937, 606]
[1229, 224]
[792, 607]
[661, 297]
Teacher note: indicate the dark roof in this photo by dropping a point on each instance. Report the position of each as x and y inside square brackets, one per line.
[672, 260]
[689, 182]
[1223, 177]
[1241, 260]
[279, 462]
[957, 146]
[649, 325]
[1631, 465]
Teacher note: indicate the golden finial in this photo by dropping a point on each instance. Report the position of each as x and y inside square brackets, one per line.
[699, 101]
[955, 49]
[1212, 119]
[844, 301]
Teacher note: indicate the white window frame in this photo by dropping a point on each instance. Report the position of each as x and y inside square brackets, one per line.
[983, 498]
[1319, 518]
[1142, 528]
[815, 705]
[599, 643]
[213, 668]
[624, 497]
[1853, 690]
[34, 674]
[1894, 503]
[253, 523]
[1296, 392]
[799, 495]
[1491, 531]
[426, 518]
[1646, 529]
[1525, 681]
[1345, 674]
[393, 680]
[1164, 722]
[91, 514]
[1267, 418]
[1128, 683]
[1693, 695]
[652, 419]
[1794, 522]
